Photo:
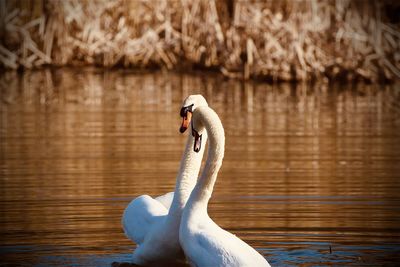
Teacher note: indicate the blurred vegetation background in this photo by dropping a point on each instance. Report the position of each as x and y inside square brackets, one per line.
[273, 40]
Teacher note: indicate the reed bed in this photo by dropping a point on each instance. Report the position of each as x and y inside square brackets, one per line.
[275, 40]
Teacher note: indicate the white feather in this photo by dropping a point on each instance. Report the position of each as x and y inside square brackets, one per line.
[203, 241]
[153, 224]
[166, 199]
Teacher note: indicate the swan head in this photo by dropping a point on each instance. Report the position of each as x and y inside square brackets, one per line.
[189, 105]
[197, 130]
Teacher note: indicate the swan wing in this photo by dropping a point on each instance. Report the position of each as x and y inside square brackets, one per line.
[213, 246]
[140, 215]
[166, 199]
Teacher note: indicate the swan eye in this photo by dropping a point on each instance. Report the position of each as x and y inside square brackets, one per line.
[185, 110]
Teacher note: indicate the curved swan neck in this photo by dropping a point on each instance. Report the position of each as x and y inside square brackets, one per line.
[186, 177]
[205, 184]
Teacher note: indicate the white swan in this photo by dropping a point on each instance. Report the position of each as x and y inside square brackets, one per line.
[203, 241]
[148, 222]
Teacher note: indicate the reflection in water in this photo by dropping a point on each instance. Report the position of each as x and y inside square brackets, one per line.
[306, 167]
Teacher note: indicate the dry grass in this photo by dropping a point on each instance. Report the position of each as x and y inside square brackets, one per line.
[277, 40]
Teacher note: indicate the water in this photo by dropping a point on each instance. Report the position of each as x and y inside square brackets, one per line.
[311, 174]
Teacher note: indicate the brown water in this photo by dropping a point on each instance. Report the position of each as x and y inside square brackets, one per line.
[311, 174]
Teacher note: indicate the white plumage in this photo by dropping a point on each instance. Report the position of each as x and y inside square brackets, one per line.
[205, 243]
[153, 223]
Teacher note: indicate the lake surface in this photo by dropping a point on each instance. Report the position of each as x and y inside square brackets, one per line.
[311, 174]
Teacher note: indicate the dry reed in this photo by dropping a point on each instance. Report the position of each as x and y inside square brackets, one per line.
[277, 40]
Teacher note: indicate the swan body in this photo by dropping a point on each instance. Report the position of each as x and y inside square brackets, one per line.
[203, 241]
[153, 223]
[166, 199]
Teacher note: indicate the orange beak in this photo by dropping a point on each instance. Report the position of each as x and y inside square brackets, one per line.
[185, 122]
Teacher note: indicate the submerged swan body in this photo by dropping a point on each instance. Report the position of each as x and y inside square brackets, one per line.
[153, 224]
[203, 241]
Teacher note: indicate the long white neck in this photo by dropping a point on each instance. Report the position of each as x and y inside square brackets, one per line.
[201, 193]
[186, 178]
